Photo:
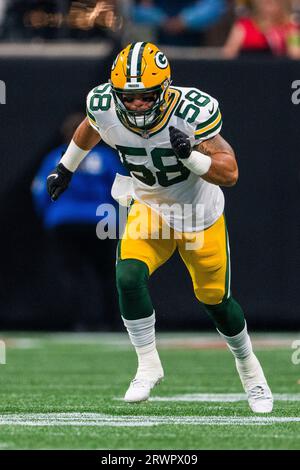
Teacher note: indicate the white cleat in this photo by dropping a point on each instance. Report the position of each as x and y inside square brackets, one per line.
[259, 395]
[140, 388]
[260, 399]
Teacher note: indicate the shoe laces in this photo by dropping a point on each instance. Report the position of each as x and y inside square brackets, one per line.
[258, 392]
[140, 382]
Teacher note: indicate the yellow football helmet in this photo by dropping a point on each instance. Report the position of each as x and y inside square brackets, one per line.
[141, 68]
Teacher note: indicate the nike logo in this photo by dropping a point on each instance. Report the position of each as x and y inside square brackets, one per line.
[211, 111]
[52, 175]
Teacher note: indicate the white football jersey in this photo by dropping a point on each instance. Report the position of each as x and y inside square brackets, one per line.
[185, 201]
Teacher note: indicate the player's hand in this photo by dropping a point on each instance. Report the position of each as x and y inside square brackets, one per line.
[58, 181]
[180, 143]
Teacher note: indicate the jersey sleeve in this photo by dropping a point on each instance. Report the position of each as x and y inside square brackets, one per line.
[99, 101]
[209, 121]
[91, 115]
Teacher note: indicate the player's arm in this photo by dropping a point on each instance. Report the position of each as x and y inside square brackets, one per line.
[84, 139]
[85, 136]
[223, 169]
[234, 42]
[213, 159]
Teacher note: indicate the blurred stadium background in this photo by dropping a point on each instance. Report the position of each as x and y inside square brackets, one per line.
[51, 54]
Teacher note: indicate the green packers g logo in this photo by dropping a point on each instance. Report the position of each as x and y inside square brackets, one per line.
[161, 60]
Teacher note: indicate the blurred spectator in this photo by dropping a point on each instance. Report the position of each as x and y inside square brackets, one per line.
[269, 28]
[176, 22]
[242, 7]
[82, 264]
[59, 19]
[22, 17]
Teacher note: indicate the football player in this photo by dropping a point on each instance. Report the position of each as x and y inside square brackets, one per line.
[168, 137]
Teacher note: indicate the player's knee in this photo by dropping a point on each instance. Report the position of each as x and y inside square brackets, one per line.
[131, 274]
[210, 296]
[220, 309]
[227, 316]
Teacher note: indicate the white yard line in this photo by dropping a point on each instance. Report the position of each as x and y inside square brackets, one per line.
[102, 420]
[217, 397]
[222, 397]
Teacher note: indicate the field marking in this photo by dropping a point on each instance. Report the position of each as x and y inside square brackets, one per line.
[206, 340]
[103, 420]
[217, 397]
[221, 397]
[22, 343]
[5, 445]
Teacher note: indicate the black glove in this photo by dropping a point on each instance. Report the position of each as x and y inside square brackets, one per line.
[58, 181]
[180, 143]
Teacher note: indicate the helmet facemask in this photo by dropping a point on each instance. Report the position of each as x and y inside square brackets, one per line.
[142, 119]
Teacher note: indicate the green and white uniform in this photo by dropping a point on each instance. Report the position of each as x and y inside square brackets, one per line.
[157, 176]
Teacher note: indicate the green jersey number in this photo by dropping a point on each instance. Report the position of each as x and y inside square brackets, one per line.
[197, 101]
[100, 100]
[165, 174]
[139, 171]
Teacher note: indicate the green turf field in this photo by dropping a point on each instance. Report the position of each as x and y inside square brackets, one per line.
[60, 391]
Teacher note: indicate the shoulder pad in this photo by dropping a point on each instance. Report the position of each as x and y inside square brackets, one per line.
[98, 100]
[201, 114]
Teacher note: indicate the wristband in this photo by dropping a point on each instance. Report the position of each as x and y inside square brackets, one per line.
[73, 156]
[197, 162]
